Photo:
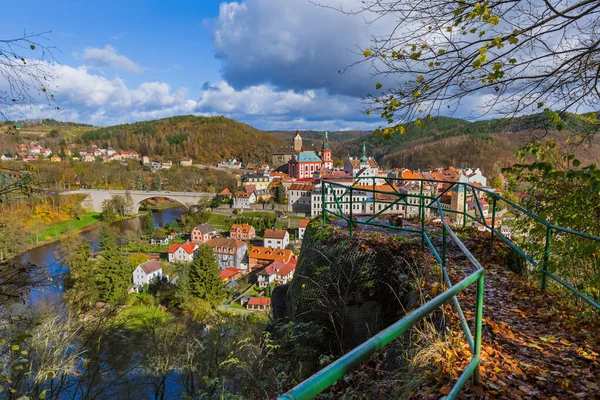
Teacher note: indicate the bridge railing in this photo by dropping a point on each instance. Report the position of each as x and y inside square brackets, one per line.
[365, 204]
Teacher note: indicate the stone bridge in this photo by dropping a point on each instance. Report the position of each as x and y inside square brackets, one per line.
[95, 197]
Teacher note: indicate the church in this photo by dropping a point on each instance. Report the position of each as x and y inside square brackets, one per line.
[304, 164]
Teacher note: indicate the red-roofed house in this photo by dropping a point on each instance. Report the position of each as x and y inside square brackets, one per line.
[302, 228]
[182, 252]
[285, 274]
[267, 275]
[299, 197]
[229, 274]
[225, 193]
[146, 272]
[259, 303]
[242, 232]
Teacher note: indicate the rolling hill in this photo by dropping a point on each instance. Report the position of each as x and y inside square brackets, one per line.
[488, 144]
[205, 139]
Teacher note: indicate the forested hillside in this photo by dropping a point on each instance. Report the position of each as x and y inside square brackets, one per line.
[205, 139]
[445, 141]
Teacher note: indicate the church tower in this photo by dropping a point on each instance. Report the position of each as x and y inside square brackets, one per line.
[326, 153]
[297, 143]
[364, 161]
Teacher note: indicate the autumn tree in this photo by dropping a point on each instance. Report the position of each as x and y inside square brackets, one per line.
[514, 55]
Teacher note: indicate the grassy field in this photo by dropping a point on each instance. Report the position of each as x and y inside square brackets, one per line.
[67, 131]
[52, 231]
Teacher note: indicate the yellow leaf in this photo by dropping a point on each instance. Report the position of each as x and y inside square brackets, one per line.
[368, 53]
[15, 347]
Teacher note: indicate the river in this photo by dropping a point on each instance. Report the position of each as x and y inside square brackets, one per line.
[46, 255]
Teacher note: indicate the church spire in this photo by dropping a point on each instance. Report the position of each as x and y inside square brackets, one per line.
[326, 141]
[364, 158]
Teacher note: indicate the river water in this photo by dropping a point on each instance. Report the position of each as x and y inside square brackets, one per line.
[46, 256]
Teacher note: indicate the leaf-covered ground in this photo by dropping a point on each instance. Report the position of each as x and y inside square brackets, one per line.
[535, 345]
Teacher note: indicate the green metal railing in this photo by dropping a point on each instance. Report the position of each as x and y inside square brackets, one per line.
[345, 195]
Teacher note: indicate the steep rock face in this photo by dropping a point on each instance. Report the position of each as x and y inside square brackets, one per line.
[352, 287]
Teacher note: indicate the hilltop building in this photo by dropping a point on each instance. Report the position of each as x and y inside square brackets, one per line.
[304, 164]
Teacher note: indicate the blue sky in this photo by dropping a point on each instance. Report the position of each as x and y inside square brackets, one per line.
[270, 63]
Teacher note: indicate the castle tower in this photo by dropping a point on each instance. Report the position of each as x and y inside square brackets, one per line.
[297, 143]
[326, 153]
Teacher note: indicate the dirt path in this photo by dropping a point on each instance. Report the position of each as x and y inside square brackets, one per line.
[535, 346]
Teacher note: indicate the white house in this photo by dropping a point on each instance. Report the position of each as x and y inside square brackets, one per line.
[267, 276]
[243, 199]
[299, 195]
[276, 238]
[146, 272]
[182, 252]
[302, 228]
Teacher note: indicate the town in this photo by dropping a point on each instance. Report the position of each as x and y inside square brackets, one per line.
[253, 267]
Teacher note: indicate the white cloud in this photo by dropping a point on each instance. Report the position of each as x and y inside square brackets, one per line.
[108, 57]
[294, 44]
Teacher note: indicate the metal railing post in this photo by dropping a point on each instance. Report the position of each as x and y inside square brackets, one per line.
[323, 195]
[493, 222]
[421, 207]
[546, 256]
[464, 205]
[444, 246]
[351, 222]
[478, 325]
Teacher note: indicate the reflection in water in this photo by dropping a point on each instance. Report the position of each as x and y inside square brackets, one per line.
[47, 255]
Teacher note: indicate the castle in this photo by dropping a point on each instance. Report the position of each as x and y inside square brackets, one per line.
[304, 164]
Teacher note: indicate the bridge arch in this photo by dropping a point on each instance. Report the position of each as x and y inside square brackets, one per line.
[137, 202]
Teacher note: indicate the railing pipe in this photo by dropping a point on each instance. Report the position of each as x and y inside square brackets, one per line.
[478, 326]
[351, 223]
[546, 256]
[323, 203]
[334, 371]
[493, 222]
[464, 205]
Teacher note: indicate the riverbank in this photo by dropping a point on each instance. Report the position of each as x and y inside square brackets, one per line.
[61, 230]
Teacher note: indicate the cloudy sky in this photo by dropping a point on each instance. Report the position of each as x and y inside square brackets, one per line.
[274, 64]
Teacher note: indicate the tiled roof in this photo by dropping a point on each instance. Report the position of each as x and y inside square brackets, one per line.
[150, 266]
[259, 301]
[243, 195]
[272, 268]
[305, 187]
[307, 156]
[269, 254]
[274, 234]
[286, 269]
[304, 223]
[205, 228]
[225, 191]
[245, 228]
[407, 174]
[187, 247]
[225, 243]
[229, 272]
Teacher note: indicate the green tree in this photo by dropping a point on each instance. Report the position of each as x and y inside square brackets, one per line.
[113, 277]
[497, 182]
[157, 182]
[140, 182]
[148, 223]
[81, 281]
[280, 195]
[204, 279]
[216, 201]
